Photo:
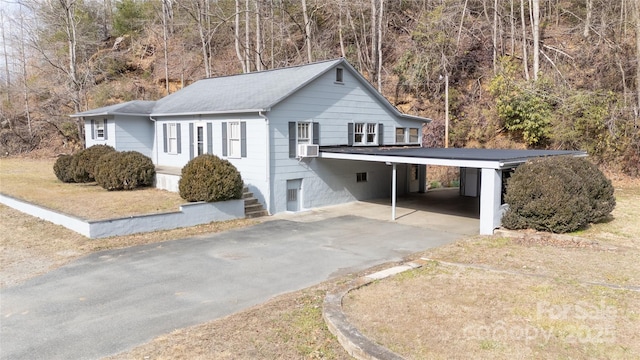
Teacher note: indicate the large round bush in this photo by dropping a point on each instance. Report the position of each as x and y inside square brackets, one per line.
[84, 162]
[546, 195]
[209, 178]
[124, 171]
[62, 168]
[598, 188]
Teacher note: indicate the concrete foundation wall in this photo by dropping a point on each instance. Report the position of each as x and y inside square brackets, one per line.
[189, 215]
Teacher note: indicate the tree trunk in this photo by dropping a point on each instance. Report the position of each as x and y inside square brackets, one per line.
[374, 42]
[380, 28]
[237, 38]
[6, 59]
[307, 30]
[636, 7]
[495, 37]
[524, 41]
[340, 36]
[258, 37]
[247, 38]
[536, 37]
[165, 43]
[587, 21]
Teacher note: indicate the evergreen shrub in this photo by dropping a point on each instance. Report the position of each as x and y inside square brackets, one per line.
[62, 168]
[558, 194]
[209, 178]
[84, 162]
[124, 170]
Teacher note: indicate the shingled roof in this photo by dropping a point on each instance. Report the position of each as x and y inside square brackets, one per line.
[136, 107]
[243, 93]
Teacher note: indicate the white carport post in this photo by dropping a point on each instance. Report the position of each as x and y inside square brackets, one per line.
[490, 200]
[393, 191]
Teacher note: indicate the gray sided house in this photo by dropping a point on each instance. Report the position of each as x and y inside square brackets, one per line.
[270, 125]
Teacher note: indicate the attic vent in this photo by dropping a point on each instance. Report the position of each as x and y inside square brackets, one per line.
[339, 75]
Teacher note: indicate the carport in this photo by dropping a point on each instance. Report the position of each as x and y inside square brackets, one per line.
[490, 165]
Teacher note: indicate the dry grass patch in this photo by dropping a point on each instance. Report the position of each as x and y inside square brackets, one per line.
[33, 180]
[447, 312]
[287, 327]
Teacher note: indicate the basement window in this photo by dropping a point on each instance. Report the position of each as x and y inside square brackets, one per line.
[361, 177]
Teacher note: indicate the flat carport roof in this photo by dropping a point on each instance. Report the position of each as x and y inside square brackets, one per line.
[490, 161]
[458, 157]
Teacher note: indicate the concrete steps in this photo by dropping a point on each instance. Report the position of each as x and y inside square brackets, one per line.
[252, 207]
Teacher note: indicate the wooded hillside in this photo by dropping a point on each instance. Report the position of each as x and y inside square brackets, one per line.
[559, 74]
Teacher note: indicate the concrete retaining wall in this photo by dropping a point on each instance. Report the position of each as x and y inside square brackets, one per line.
[189, 215]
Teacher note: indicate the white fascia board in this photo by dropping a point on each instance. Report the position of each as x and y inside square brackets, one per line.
[245, 111]
[415, 118]
[484, 164]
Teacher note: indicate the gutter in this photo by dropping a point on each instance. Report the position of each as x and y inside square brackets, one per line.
[244, 111]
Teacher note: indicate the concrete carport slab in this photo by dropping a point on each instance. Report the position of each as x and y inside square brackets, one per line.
[491, 163]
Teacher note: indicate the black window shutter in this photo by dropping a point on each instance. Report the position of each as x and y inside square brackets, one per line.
[292, 139]
[93, 129]
[243, 139]
[224, 139]
[105, 129]
[316, 133]
[380, 134]
[164, 136]
[350, 134]
[178, 138]
[209, 138]
[190, 141]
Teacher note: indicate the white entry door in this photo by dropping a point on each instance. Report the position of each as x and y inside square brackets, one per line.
[293, 194]
[200, 140]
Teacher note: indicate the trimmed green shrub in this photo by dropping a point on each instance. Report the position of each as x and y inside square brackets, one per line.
[598, 188]
[546, 197]
[84, 162]
[209, 178]
[558, 194]
[124, 170]
[62, 168]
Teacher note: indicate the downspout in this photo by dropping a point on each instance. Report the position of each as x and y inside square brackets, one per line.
[155, 139]
[267, 197]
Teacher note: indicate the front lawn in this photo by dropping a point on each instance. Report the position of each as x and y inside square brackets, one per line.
[33, 180]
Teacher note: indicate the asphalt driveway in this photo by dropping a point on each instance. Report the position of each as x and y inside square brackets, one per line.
[111, 301]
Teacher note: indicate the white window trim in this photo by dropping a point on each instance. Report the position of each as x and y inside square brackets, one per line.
[234, 139]
[404, 135]
[204, 137]
[365, 133]
[172, 146]
[417, 141]
[97, 126]
[309, 138]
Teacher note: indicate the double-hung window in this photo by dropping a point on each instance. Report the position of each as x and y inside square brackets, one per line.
[304, 133]
[172, 138]
[400, 135]
[365, 134]
[414, 135]
[99, 129]
[234, 139]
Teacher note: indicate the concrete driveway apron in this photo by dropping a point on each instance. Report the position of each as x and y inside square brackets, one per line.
[111, 301]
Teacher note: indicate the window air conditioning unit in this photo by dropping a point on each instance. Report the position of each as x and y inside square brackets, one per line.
[308, 150]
